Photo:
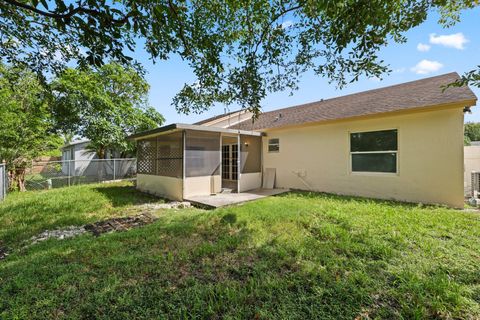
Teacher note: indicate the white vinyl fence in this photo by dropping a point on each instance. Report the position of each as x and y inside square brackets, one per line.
[55, 174]
[3, 182]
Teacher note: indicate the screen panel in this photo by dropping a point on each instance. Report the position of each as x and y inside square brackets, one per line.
[202, 153]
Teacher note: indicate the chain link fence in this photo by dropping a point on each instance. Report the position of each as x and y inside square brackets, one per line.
[3, 182]
[56, 174]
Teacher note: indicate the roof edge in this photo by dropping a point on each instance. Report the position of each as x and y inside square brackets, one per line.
[73, 143]
[367, 91]
[427, 108]
[194, 127]
[217, 118]
[169, 127]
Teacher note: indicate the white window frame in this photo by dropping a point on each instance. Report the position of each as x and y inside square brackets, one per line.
[397, 171]
[273, 144]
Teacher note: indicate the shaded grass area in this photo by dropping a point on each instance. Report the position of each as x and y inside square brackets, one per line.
[296, 256]
[23, 215]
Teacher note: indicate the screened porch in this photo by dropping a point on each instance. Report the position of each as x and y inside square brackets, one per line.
[191, 160]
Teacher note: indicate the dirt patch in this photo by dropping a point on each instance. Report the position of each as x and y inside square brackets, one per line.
[380, 301]
[110, 225]
[167, 205]
[120, 224]
[68, 232]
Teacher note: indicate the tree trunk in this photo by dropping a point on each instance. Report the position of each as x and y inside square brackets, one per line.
[16, 179]
[101, 156]
[20, 177]
[11, 180]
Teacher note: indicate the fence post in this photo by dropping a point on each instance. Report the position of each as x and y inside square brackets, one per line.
[68, 161]
[3, 184]
[114, 169]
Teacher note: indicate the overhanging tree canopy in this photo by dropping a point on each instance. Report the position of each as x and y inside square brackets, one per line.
[26, 123]
[104, 105]
[238, 50]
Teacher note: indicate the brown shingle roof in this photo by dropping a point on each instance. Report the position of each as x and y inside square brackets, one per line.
[406, 96]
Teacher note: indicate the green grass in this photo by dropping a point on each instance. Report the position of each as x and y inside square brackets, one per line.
[23, 215]
[297, 256]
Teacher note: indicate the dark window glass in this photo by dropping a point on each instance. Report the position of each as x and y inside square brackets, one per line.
[385, 140]
[273, 145]
[374, 162]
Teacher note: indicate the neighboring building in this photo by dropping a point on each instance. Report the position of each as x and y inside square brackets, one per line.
[475, 143]
[77, 150]
[403, 142]
[84, 163]
[471, 164]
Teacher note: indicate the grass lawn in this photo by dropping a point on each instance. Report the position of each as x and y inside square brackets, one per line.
[296, 256]
[23, 215]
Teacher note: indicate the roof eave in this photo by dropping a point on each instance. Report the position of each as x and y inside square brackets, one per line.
[74, 143]
[181, 126]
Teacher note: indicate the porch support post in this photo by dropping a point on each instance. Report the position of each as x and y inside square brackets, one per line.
[239, 155]
[221, 162]
[184, 139]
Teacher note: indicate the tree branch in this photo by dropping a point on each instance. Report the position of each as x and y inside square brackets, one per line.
[180, 26]
[275, 18]
[69, 14]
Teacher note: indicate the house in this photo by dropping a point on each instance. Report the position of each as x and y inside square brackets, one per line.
[78, 159]
[471, 156]
[77, 150]
[402, 142]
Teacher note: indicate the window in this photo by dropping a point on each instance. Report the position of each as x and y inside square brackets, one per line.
[273, 145]
[374, 151]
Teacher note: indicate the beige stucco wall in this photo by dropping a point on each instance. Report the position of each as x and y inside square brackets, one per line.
[195, 186]
[472, 163]
[250, 181]
[251, 154]
[168, 187]
[430, 158]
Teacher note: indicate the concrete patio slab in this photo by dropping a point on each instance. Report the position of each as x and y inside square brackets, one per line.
[225, 199]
